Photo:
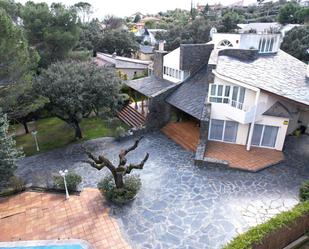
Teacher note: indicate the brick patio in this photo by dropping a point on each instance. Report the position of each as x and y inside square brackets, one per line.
[186, 134]
[44, 216]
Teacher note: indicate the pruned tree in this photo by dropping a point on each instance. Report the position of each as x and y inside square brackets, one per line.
[122, 169]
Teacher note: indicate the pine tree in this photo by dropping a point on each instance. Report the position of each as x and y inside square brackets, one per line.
[9, 154]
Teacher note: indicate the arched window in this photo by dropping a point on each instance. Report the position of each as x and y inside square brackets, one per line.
[225, 43]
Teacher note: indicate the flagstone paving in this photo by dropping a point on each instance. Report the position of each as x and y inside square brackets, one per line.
[181, 205]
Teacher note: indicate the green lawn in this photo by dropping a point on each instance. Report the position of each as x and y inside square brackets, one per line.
[54, 133]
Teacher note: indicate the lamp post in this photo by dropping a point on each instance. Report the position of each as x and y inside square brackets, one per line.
[34, 134]
[63, 173]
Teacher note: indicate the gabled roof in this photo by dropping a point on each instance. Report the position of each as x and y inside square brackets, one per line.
[281, 74]
[190, 95]
[278, 110]
[120, 61]
[150, 86]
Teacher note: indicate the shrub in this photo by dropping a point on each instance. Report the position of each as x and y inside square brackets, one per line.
[304, 191]
[255, 235]
[17, 184]
[72, 179]
[120, 132]
[132, 185]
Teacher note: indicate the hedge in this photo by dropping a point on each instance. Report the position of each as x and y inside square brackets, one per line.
[257, 234]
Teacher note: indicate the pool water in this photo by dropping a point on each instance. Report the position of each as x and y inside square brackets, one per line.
[66, 246]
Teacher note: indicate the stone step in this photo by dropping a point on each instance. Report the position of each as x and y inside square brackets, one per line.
[131, 117]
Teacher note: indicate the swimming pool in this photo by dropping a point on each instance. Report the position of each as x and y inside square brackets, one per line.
[46, 244]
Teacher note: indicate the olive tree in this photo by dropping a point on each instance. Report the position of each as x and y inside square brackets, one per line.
[120, 170]
[75, 89]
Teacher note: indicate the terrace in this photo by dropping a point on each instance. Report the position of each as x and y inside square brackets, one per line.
[187, 133]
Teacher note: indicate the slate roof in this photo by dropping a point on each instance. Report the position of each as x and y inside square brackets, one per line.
[281, 74]
[190, 95]
[150, 86]
[120, 62]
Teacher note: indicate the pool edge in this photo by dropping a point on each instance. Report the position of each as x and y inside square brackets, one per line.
[20, 243]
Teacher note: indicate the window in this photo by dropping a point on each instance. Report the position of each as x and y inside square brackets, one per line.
[266, 44]
[264, 135]
[216, 129]
[223, 130]
[238, 97]
[230, 132]
[219, 93]
[225, 43]
[175, 73]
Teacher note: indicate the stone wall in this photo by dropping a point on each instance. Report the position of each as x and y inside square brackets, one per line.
[159, 111]
[194, 56]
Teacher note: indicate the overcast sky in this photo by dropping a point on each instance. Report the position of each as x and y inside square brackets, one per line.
[127, 7]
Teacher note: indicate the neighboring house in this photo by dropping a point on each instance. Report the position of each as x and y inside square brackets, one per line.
[145, 53]
[127, 67]
[149, 35]
[240, 89]
[304, 3]
[266, 28]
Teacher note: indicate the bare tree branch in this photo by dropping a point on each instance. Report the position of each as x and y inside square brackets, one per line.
[121, 170]
[94, 165]
[137, 166]
[123, 153]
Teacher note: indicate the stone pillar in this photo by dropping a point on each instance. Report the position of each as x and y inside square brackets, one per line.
[158, 63]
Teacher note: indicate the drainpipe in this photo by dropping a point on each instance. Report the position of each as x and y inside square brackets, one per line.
[257, 96]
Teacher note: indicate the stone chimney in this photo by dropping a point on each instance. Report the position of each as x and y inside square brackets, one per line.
[158, 63]
[161, 45]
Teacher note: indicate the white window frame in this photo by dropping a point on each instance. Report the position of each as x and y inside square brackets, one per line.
[223, 131]
[269, 44]
[219, 96]
[262, 135]
[230, 101]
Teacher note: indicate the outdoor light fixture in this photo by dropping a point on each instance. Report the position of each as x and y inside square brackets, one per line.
[34, 134]
[63, 173]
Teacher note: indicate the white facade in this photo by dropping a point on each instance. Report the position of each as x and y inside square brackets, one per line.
[265, 43]
[241, 108]
[171, 67]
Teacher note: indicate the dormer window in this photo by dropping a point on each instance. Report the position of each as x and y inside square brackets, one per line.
[266, 44]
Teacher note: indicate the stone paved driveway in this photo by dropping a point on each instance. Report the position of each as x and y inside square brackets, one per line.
[181, 205]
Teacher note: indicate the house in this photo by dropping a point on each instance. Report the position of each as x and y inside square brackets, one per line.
[128, 68]
[262, 28]
[149, 35]
[304, 3]
[145, 53]
[232, 101]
